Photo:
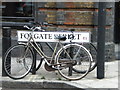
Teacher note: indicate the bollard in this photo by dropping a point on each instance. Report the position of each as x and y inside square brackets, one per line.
[71, 54]
[71, 67]
[6, 43]
[35, 53]
[101, 40]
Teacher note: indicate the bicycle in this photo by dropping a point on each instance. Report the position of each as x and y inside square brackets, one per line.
[90, 47]
[66, 60]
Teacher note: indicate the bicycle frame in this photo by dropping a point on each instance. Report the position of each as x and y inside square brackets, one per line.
[33, 43]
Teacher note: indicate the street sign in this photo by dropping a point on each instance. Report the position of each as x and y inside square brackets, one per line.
[51, 36]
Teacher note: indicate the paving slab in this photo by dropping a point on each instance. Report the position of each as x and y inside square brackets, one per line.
[52, 80]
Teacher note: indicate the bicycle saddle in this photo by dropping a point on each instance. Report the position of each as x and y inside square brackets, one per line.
[61, 38]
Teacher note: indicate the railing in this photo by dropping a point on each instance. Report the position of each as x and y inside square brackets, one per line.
[15, 22]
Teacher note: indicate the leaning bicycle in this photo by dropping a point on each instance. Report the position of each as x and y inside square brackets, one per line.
[90, 47]
[66, 60]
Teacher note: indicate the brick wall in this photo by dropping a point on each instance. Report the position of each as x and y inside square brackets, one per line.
[81, 16]
[67, 14]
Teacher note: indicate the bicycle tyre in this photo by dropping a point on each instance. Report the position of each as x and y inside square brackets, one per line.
[76, 57]
[93, 51]
[21, 61]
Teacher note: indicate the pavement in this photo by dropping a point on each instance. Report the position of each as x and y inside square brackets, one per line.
[52, 80]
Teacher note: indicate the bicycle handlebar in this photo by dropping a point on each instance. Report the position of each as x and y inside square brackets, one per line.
[36, 26]
[41, 23]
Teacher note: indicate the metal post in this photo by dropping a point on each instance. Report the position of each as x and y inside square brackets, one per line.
[101, 40]
[70, 67]
[116, 25]
[36, 11]
[6, 43]
[35, 53]
[71, 54]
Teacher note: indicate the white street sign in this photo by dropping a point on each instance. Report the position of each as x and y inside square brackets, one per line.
[51, 36]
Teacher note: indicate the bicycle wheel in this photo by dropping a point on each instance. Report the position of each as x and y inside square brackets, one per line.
[18, 61]
[93, 51]
[72, 58]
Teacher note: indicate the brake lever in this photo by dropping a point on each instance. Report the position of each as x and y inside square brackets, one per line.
[25, 26]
